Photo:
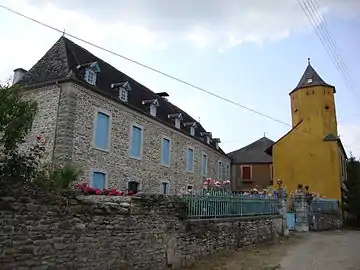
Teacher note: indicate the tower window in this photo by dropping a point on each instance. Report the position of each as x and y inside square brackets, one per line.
[296, 110]
[309, 80]
[327, 107]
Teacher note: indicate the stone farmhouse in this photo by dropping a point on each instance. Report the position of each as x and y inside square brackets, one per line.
[119, 132]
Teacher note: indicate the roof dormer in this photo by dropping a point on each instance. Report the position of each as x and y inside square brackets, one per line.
[122, 90]
[207, 136]
[216, 141]
[177, 118]
[153, 104]
[90, 71]
[192, 125]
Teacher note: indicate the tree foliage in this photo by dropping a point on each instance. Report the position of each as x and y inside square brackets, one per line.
[16, 117]
[21, 165]
[352, 192]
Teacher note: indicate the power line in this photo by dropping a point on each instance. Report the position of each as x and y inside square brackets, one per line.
[152, 69]
[320, 26]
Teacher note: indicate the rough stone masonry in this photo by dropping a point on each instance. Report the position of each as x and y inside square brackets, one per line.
[101, 232]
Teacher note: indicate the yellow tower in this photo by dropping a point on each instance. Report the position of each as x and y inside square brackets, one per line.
[311, 153]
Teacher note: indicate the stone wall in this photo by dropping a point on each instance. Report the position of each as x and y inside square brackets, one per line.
[117, 164]
[325, 221]
[98, 232]
[66, 116]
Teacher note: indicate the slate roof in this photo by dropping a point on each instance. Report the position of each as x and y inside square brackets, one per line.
[316, 80]
[253, 153]
[61, 61]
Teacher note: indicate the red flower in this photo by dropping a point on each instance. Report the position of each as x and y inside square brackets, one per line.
[38, 138]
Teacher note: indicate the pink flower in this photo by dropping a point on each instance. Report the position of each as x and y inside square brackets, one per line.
[38, 138]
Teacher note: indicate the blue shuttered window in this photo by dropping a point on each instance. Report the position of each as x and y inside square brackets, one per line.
[190, 160]
[98, 180]
[136, 142]
[165, 152]
[219, 170]
[204, 165]
[102, 131]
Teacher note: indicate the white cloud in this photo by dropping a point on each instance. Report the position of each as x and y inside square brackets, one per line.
[350, 136]
[226, 23]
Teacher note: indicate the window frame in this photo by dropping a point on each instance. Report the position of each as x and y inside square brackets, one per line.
[206, 165]
[228, 174]
[140, 157]
[241, 175]
[123, 92]
[139, 186]
[219, 170]
[162, 187]
[161, 151]
[93, 142]
[96, 170]
[86, 76]
[193, 159]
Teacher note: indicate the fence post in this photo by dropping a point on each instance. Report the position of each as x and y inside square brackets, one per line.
[283, 213]
[301, 211]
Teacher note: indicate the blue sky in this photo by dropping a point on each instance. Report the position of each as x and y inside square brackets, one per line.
[255, 58]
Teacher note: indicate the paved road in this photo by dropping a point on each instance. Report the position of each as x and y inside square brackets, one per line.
[306, 251]
[325, 251]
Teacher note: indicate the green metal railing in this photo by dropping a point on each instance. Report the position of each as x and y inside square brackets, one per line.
[324, 205]
[217, 204]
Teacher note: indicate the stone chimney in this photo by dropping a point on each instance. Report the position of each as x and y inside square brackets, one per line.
[18, 74]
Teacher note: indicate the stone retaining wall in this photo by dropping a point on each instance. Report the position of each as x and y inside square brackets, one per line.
[98, 232]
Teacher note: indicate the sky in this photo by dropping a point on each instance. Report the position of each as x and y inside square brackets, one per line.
[252, 53]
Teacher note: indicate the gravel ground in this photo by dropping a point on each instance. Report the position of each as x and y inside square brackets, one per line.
[308, 251]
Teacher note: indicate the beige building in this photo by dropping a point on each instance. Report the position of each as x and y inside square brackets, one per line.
[118, 131]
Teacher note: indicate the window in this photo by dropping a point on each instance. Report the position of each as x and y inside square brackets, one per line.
[98, 180]
[165, 152]
[204, 164]
[227, 172]
[309, 81]
[136, 142]
[123, 94]
[246, 172]
[152, 110]
[102, 131]
[177, 123]
[192, 131]
[190, 160]
[90, 76]
[165, 188]
[190, 188]
[219, 170]
[133, 186]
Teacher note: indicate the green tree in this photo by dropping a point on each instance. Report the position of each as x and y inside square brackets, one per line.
[352, 192]
[16, 117]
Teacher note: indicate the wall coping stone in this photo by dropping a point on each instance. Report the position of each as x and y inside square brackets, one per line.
[233, 219]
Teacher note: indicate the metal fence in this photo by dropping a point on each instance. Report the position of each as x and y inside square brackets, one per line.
[217, 204]
[324, 205]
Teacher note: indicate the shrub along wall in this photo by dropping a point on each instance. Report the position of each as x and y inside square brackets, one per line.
[101, 232]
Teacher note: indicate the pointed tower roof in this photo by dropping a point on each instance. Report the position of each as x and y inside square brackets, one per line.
[311, 78]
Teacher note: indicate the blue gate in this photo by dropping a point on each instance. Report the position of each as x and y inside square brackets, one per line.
[290, 217]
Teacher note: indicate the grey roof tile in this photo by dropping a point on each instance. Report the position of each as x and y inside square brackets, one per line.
[253, 153]
[61, 61]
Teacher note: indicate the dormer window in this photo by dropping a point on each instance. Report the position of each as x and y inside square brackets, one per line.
[122, 90]
[207, 135]
[309, 80]
[217, 141]
[153, 104]
[192, 126]
[90, 76]
[177, 119]
[91, 70]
